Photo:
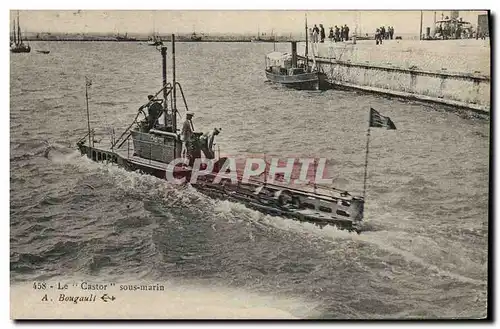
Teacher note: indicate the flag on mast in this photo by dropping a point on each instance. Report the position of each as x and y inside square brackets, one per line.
[379, 121]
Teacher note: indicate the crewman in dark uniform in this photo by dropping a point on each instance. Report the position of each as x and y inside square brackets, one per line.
[207, 143]
[155, 110]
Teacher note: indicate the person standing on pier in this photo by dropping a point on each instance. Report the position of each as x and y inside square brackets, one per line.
[378, 37]
[346, 32]
[322, 33]
[315, 34]
[331, 36]
[342, 33]
[337, 34]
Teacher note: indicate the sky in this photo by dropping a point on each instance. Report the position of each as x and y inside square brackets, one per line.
[212, 21]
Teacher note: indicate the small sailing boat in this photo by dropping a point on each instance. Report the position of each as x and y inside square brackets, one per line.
[154, 39]
[195, 37]
[17, 44]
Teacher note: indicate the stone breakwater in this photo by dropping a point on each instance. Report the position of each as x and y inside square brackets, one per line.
[455, 73]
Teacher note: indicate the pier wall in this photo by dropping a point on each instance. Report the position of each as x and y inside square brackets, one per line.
[466, 90]
[456, 89]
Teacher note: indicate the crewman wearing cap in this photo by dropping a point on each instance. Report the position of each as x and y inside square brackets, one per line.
[207, 143]
[187, 134]
[154, 111]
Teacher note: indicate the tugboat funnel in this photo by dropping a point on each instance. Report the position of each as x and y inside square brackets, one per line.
[294, 53]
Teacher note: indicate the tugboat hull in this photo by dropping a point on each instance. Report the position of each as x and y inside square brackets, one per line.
[305, 81]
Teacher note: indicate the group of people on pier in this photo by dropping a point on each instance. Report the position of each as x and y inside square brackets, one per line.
[317, 34]
[382, 33]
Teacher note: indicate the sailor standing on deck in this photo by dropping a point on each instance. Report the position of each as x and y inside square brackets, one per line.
[187, 135]
[154, 111]
[207, 143]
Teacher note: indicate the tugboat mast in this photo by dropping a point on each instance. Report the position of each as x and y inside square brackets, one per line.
[307, 44]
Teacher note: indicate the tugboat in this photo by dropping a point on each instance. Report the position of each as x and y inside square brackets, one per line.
[151, 146]
[291, 71]
[288, 70]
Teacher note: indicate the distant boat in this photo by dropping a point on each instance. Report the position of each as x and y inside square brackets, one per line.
[43, 51]
[124, 38]
[17, 45]
[195, 37]
[154, 40]
[272, 38]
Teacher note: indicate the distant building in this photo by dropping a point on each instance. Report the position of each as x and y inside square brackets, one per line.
[482, 25]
